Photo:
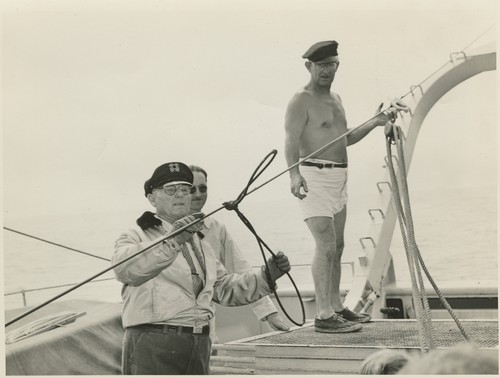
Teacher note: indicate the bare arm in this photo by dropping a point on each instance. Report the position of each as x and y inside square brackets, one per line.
[295, 122]
[380, 119]
[359, 133]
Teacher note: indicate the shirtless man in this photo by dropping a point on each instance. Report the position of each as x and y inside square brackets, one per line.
[314, 117]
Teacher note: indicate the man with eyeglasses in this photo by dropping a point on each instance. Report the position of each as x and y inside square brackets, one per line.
[314, 117]
[227, 252]
[168, 290]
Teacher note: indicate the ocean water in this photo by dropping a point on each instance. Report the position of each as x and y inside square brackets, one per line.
[456, 232]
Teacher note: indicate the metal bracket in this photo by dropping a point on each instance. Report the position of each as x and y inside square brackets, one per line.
[387, 161]
[367, 238]
[383, 182]
[454, 56]
[413, 87]
[379, 210]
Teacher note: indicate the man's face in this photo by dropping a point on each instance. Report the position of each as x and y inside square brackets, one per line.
[323, 71]
[173, 206]
[198, 198]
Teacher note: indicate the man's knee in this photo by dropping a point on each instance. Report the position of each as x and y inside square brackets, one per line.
[321, 227]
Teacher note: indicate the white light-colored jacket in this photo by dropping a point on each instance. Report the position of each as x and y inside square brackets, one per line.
[158, 286]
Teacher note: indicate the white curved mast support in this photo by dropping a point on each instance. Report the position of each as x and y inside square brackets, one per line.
[373, 268]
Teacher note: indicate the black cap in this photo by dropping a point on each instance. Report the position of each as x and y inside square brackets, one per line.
[321, 50]
[168, 172]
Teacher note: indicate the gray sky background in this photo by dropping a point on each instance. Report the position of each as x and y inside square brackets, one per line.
[96, 94]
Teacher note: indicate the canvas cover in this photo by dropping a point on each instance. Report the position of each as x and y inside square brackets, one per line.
[91, 345]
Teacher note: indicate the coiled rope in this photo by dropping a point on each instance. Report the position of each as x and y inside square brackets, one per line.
[413, 255]
[233, 205]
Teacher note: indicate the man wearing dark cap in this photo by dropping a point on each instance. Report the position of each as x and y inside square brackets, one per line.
[168, 289]
[314, 117]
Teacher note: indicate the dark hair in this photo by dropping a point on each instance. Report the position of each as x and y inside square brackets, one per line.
[195, 168]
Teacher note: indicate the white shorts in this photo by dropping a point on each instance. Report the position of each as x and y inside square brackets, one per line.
[327, 193]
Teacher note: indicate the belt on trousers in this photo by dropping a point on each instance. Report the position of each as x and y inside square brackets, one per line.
[163, 328]
[322, 165]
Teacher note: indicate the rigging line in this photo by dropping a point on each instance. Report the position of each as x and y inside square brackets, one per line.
[51, 287]
[447, 62]
[56, 244]
[160, 240]
[474, 41]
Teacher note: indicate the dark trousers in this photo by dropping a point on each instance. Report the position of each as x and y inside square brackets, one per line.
[153, 352]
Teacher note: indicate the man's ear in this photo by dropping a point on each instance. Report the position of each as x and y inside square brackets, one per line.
[152, 199]
[308, 65]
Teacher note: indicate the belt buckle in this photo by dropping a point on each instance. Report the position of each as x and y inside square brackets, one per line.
[197, 329]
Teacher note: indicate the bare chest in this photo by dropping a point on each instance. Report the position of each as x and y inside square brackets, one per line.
[327, 115]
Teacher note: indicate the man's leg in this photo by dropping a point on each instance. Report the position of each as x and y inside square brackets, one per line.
[339, 226]
[324, 236]
[323, 231]
[165, 353]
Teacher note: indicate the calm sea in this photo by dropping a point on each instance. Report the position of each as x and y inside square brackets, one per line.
[456, 233]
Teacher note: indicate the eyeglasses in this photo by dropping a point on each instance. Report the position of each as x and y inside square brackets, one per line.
[328, 65]
[202, 188]
[171, 190]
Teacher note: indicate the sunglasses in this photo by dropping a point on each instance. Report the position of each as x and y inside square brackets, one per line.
[202, 188]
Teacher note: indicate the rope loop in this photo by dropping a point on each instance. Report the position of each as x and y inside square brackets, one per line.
[233, 205]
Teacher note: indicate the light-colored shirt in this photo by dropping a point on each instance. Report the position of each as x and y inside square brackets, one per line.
[158, 287]
[227, 252]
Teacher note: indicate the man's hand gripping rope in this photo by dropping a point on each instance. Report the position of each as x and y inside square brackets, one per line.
[391, 113]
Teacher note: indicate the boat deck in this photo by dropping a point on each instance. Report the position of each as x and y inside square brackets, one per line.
[304, 351]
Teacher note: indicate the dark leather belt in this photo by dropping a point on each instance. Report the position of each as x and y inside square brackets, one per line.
[327, 165]
[163, 328]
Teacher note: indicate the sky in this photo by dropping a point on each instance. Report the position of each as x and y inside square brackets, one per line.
[97, 94]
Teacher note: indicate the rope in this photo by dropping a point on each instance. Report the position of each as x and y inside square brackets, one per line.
[414, 257]
[233, 205]
[56, 244]
[416, 294]
[52, 287]
[113, 266]
[443, 300]
[447, 62]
